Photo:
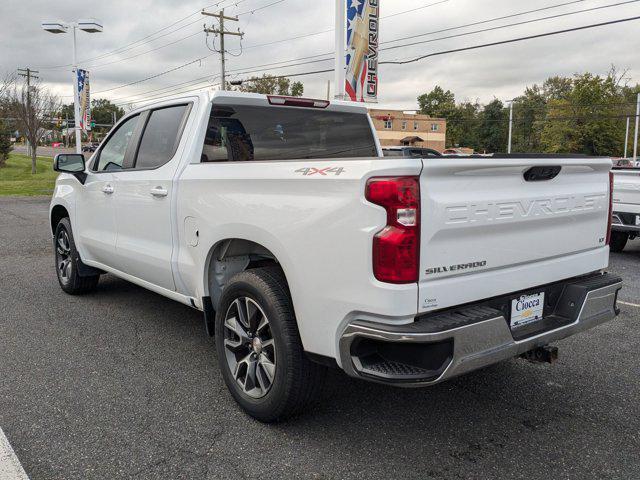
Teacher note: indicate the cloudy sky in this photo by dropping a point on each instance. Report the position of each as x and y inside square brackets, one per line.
[146, 38]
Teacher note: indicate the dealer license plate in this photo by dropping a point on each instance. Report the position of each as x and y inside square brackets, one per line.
[526, 309]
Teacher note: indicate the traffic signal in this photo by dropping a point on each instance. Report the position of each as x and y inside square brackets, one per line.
[93, 123]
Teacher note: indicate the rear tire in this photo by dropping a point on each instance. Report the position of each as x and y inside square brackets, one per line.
[259, 349]
[618, 241]
[68, 261]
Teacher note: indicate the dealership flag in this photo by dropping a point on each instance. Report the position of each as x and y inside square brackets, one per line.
[362, 50]
[84, 99]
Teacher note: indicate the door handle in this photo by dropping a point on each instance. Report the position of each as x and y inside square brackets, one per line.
[159, 192]
[108, 189]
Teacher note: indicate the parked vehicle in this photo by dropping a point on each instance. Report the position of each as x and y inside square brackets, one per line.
[417, 152]
[279, 218]
[91, 147]
[626, 207]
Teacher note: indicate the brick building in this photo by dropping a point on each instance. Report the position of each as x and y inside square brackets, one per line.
[395, 127]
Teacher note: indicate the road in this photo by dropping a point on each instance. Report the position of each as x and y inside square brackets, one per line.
[123, 383]
[44, 151]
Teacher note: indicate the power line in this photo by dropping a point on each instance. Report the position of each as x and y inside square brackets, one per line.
[169, 87]
[306, 35]
[146, 51]
[154, 76]
[419, 58]
[141, 41]
[167, 95]
[260, 8]
[449, 37]
[513, 40]
[416, 9]
[500, 27]
[490, 20]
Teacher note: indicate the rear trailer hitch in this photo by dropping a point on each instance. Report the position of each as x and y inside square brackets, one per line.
[544, 354]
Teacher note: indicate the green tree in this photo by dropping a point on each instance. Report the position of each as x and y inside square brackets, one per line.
[437, 103]
[585, 114]
[588, 118]
[529, 113]
[493, 128]
[5, 143]
[270, 85]
[66, 112]
[102, 111]
[462, 125]
[557, 88]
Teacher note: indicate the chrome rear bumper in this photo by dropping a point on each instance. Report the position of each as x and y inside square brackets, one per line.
[621, 222]
[436, 348]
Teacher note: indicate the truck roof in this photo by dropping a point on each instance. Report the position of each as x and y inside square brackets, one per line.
[229, 97]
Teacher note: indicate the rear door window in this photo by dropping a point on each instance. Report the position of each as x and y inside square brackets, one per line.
[161, 137]
[246, 133]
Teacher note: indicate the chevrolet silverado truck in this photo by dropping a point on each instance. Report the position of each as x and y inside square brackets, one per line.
[279, 219]
[626, 207]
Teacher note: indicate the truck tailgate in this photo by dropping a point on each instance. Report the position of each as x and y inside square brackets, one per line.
[487, 231]
[626, 191]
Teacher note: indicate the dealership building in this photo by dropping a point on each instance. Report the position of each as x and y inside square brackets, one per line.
[396, 127]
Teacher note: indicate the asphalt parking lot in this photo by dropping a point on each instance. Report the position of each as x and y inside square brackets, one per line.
[123, 383]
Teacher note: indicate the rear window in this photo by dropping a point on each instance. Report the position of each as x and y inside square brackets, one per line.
[161, 137]
[245, 133]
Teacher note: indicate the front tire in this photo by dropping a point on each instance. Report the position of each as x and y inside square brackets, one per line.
[259, 349]
[68, 261]
[618, 241]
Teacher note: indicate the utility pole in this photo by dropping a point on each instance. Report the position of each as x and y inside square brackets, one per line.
[66, 129]
[510, 125]
[340, 49]
[626, 138]
[635, 141]
[28, 74]
[222, 32]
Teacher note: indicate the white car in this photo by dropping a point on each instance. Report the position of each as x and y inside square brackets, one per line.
[279, 218]
[626, 207]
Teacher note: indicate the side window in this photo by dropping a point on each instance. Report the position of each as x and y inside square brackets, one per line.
[161, 137]
[113, 152]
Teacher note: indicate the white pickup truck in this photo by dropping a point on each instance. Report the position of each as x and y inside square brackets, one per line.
[626, 207]
[279, 218]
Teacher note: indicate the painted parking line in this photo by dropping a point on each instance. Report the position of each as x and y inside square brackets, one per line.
[10, 468]
[628, 304]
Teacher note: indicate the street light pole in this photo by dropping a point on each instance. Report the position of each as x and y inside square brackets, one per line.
[88, 25]
[76, 102]
[340, 54]
[635, 141]
[626, 138]
[510, 125]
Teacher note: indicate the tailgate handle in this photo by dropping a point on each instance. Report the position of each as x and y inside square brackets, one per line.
[538, 174]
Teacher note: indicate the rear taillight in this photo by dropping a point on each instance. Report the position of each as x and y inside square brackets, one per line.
[396, 248]
[610, 208]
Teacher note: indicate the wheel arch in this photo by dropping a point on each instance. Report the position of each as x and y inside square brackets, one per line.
[230, 256]
[58, 212]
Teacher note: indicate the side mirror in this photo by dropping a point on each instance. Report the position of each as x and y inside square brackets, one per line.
[72, 163]
[69, 162]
